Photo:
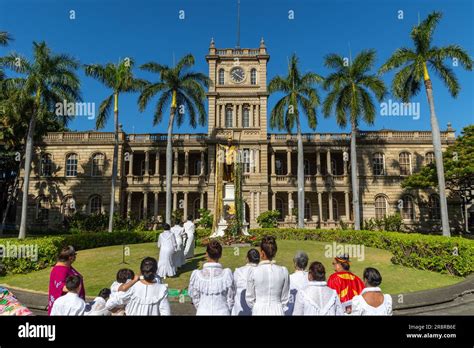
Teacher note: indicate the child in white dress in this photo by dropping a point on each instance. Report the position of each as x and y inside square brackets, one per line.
[268, 284]
[240, 283]
[113, 305]
[317, 298]
[211, 289]
[179, 233]
[145, 295]
[97, 306]
[167, 245]
[371, 300]
[70, 303]
[298, 279]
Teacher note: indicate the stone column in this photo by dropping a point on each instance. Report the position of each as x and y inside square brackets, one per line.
[318, 162]
[328, 162]
[234, 117]
[145, 205]
[201, 202]
[130, 164]
[320, 206]
[129, 203]
[175, 164]
[273, 163]
[240, 117]
[288, 161]
[274, 196]
[157, 163]
[186, 163]
[258, 204]
[257, 160]
[251, 115]
[155, 206]
[252, 206]
[202, 163]
[175, 200]
[147, 163]
[346, 199]
[290, 199]
[346, 163]
[185, 208]
[331, 215]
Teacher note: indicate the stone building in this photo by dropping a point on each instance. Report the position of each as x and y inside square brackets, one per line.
[72, 171]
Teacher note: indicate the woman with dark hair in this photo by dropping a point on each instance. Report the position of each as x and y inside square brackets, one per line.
[268, 284]
[317, 298]
[211, 289]
[60, 272]
[144, 295]
[240, 283]
[372, 301]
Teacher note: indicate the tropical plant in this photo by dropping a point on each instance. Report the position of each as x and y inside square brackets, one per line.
[50, 79]
[299, 96]
[119, 78]
[350, 87]
[268, 219]
[414, 67]
[183, 91]
[205, 220]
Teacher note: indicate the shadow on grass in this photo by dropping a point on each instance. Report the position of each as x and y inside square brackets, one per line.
[191, 264]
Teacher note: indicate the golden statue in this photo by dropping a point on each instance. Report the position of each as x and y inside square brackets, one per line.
[230, 154]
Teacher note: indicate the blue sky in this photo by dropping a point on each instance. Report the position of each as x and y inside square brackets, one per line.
[150, 30]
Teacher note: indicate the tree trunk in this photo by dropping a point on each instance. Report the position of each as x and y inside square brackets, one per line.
[169, 165]
[300, 177]
[26, 181]
[11, 197]
[354, 178]
[436, 136]
[114, 165]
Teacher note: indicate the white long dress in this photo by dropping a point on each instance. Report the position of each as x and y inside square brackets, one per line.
[298, 281]
[178, 258]
[212, 290]
[360, 307]
[97, 307]
[317, 299]
[241, 275]
[69, 304]
[168, 246]
[190, 229]
[143, 299]
[268, 288]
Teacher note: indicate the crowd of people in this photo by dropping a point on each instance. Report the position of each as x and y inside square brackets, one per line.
[260, 287]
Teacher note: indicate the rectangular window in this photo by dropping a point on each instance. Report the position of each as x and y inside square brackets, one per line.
[71, 165]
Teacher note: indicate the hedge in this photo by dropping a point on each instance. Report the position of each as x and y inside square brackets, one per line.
[452, 255]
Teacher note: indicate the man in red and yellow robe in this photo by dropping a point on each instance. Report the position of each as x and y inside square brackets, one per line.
[346, 284]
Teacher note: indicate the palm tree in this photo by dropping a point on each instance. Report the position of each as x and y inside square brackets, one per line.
[414, 64]
[178, 87]
[299, 94]
[119, 78]
[4, 38]
[50, 79]
[350, 87]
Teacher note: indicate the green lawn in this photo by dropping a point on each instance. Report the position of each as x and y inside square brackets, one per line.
[99, 266]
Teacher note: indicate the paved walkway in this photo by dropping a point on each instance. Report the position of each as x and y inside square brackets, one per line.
[456, 299]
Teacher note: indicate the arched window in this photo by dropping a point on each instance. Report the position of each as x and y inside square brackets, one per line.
[380, 207]
[246, 117]
[434, 207]
[46, 165]
[307, 209]
[429, 158]
[281, 208]
[98, 164]
[253, 76]
[228, 117]
[404, 160]
[71, 165]
[95, 205]
[221, 76]
[69, 206]
[42, 209]
[407, 210]
[307, 167]
[378, 164]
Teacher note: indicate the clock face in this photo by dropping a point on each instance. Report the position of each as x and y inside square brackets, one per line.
[237, 74]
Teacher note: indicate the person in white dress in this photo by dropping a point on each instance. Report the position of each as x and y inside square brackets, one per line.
[144, 295]
[97, 306]
[316, 298]
[240, 283]
[124, 276]
[268, 284]
[70, 304]
[372, 301]
[168, 246]
[298, 279]
[212, 288]
[190, 229]
[178, 232]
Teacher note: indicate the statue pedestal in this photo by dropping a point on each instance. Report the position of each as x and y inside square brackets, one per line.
[228, 200]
